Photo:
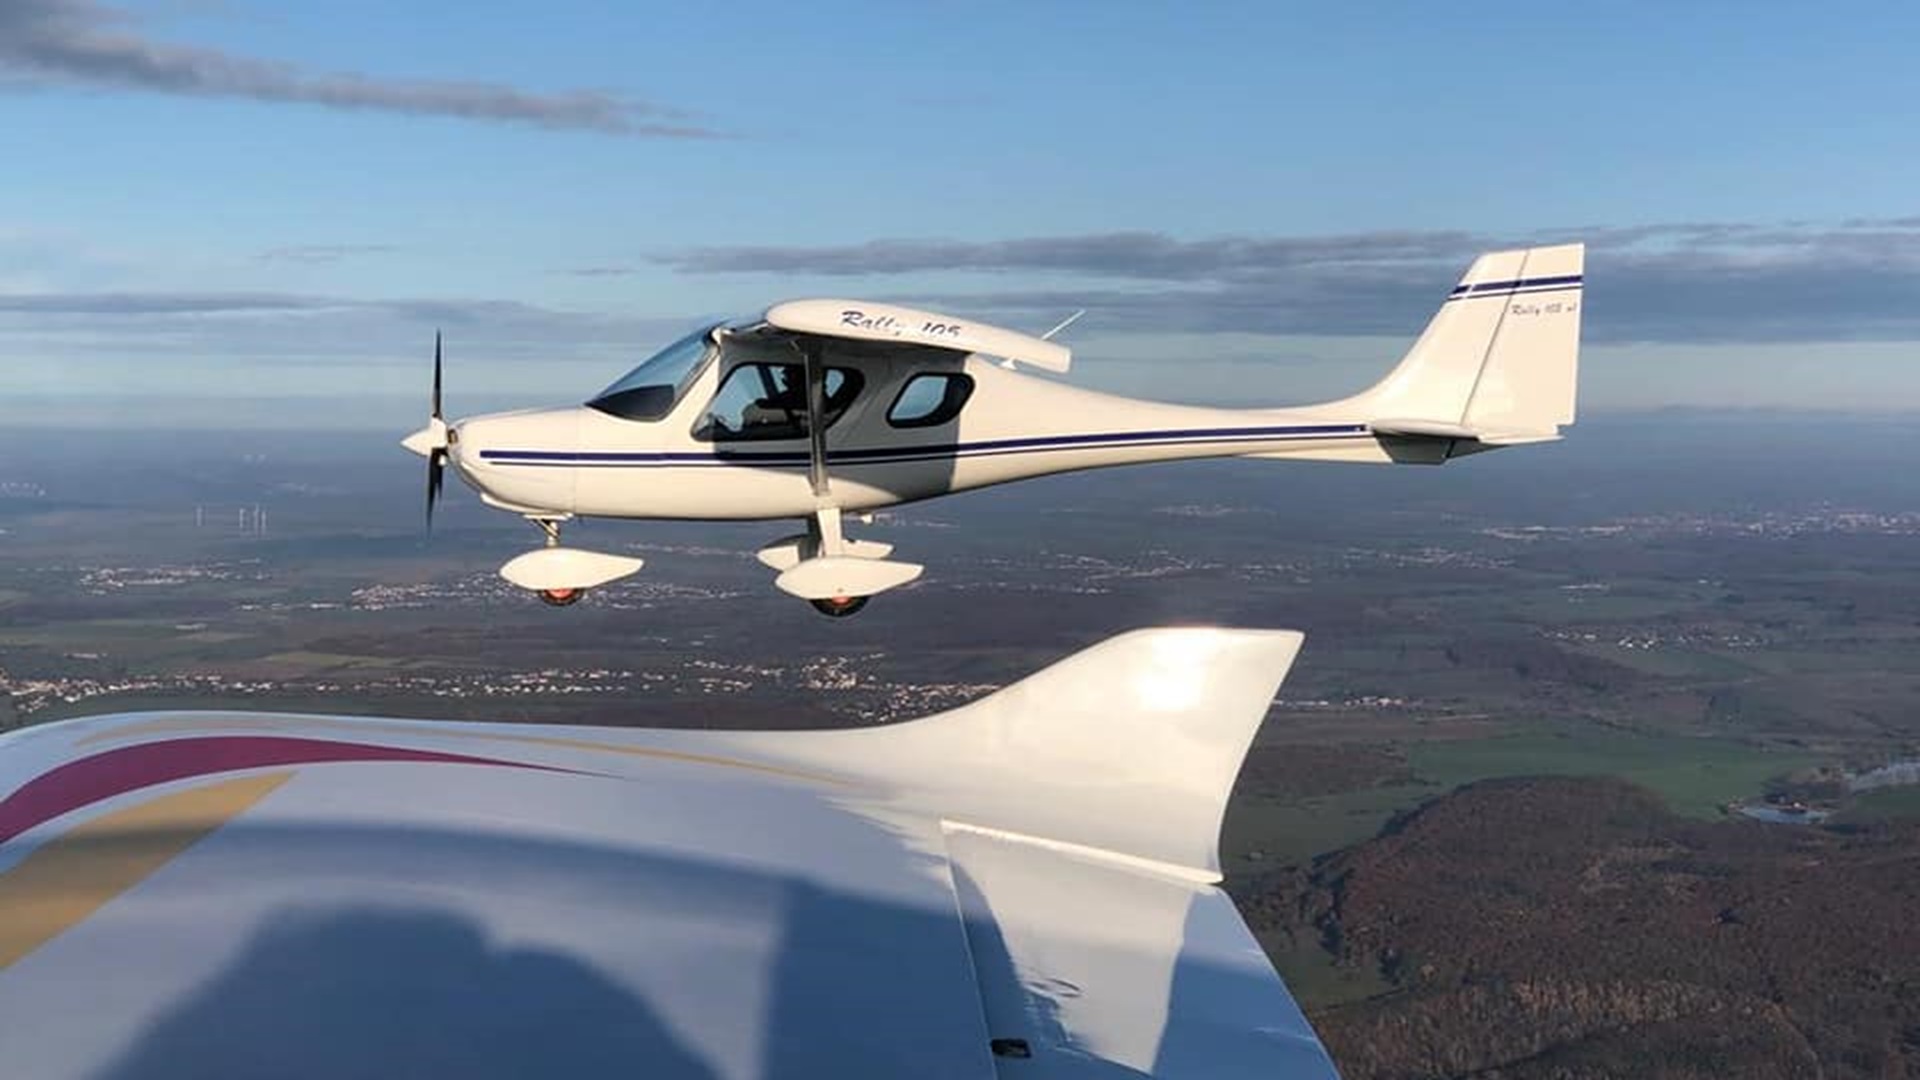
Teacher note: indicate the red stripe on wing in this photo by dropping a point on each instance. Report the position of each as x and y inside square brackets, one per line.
[129, 768]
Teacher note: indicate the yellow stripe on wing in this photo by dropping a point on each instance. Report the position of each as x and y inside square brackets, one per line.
[71, 876]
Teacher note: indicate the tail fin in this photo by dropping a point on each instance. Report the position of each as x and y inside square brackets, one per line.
[1129, 747]
[1498, 362]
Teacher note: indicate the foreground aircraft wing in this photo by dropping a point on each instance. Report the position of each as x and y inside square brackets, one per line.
[1022, 887]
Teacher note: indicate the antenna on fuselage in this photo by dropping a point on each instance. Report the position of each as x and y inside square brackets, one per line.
[1063, 324]
[1008, 362]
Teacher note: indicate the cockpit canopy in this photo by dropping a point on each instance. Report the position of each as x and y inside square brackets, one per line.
[650, 391]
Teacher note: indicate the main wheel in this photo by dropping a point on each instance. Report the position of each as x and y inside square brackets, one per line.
[840, 607]
[560, 597]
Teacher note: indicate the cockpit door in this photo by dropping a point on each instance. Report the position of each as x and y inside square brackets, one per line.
[765, 400]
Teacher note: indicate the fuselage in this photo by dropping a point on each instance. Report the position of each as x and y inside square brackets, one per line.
[881, 448]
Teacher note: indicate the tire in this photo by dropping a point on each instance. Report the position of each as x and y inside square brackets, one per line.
[840, 608]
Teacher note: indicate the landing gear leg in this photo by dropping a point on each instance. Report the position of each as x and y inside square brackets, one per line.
[824, 538]
[556, 597]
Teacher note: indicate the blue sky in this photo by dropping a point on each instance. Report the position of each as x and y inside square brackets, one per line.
[237, 202]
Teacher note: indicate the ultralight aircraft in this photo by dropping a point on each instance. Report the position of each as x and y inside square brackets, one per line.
[822, 410]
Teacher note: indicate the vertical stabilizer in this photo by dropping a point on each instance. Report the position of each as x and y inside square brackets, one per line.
[1500, 358]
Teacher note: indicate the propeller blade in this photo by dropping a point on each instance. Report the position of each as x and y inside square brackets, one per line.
[436, 455]
[436, 476]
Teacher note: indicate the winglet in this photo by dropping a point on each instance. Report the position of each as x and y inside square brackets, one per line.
[1128, 748]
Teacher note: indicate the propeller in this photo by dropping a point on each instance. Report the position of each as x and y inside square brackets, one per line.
[431, 441]
[436, 461]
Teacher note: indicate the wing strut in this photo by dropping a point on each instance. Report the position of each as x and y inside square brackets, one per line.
[816, 375]
[824, 566]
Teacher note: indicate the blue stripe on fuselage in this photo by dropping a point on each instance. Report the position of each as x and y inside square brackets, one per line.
[928, 452]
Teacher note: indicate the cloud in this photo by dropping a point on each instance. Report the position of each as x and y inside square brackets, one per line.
[1143, 255]
[1675, 282]
[1689, 283]
[214, 325]
[157, 303]
[81, 42]
[601, 271]
[323, 253]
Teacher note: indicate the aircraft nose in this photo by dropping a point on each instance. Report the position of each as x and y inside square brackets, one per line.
[476, 440]
[467, 440]
[525, 459]
[545, 436]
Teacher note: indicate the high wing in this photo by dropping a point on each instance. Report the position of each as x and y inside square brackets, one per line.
[863, 320]
[1020, 887]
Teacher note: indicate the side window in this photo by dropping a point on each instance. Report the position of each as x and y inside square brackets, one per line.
[929, 400]
[769, 401]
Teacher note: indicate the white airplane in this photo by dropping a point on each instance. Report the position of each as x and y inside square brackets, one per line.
[822, 409]
[1021, 887]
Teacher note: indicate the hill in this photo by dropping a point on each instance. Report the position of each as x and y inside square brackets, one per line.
[1574, 928]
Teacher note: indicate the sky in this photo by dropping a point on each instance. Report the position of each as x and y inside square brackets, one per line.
[216, 211]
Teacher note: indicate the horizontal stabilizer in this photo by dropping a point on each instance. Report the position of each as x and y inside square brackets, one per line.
[1431, 429]
[1517, 438]
[1440, 429]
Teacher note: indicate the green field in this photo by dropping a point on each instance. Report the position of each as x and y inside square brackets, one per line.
[1282, 833]
[1315, 979]
[1696, 776]
[1624, 601]
[1682, 663]
[326, 662]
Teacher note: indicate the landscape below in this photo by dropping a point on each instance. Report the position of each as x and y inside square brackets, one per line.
[1654, 626]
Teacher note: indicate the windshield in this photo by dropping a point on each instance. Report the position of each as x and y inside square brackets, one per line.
[650, 391]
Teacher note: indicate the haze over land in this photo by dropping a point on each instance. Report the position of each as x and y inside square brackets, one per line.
[1706, 607]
